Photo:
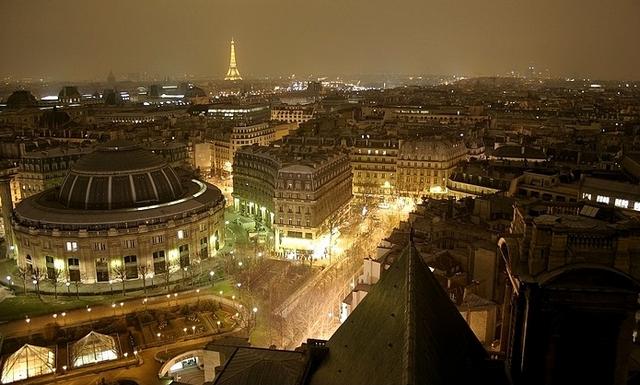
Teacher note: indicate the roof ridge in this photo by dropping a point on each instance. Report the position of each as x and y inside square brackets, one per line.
[408, 374]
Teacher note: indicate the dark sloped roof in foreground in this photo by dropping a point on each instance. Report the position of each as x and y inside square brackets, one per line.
[252, 366]
[405, 331]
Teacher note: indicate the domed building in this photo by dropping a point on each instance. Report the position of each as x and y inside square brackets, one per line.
[21, 99]
[69, 94]
[120, 212]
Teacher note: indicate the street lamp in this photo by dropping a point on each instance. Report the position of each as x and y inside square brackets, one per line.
[211, 273]
[68, 284]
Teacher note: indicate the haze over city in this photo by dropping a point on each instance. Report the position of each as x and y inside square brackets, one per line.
[83, 40]
[279, 192]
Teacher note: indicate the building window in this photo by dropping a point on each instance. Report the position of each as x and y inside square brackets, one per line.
[636, 206]
[51, 270]
[602, 199]
[157, 239]
[129, 243]
[71, 246]
[74, 269]
[202, 227]
[184, 255]
[204, 248]
[623, 203]
[159, 262]
[182, 234]
[99, 246]
[102, 270]
[131, 266]
[586, 196]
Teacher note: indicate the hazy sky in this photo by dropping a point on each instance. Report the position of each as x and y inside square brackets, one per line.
[83, 39]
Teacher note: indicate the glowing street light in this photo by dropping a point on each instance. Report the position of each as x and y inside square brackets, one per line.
[255, 310]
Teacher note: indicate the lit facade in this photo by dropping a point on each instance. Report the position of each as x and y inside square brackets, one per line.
[374, 167]
[424, 165]
[42, 170]
[292, 114]
[225, 145]
[301, 192]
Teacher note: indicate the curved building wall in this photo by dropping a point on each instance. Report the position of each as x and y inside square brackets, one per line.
[101, 246]
[95, 256]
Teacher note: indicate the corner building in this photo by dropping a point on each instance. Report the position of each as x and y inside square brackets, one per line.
[301, 192]
[121, 211]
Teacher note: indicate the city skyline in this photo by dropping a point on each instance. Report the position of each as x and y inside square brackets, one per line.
[76, 41]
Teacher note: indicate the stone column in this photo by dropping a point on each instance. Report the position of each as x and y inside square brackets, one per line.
[7, 212]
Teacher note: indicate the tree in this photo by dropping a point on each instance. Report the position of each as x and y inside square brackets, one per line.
[167, 273]
[24, 272]
[38, 275]
[120, 272]
[54, 277]
[143, 270]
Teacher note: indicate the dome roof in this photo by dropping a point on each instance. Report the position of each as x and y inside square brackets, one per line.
[21, 99]
[119, 175]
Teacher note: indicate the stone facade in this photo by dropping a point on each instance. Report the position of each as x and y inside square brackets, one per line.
[301, 192]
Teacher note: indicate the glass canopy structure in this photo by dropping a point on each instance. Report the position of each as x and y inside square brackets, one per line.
[28, 361]
[93, 348]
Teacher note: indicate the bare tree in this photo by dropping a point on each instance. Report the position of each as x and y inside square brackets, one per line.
[167, 273]
[24, 272]
[120, 272]
[54, 277]
[143, 270]
[38, 276]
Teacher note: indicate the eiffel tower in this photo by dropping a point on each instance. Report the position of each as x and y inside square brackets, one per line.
[232, 73]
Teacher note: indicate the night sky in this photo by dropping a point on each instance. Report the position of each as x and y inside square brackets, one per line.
[84, 39]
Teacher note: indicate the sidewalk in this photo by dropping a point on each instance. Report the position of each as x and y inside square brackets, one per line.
[93, 313]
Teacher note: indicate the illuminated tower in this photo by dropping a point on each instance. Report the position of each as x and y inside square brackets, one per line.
[232, 73]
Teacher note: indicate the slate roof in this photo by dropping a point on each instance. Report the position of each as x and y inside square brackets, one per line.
[252, 366]
[405, 331]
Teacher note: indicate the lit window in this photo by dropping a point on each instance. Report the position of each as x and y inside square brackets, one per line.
[602, 199]
[636, 206]
[72, 246]
[586, 196]
[181, 234]
[622, 203]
